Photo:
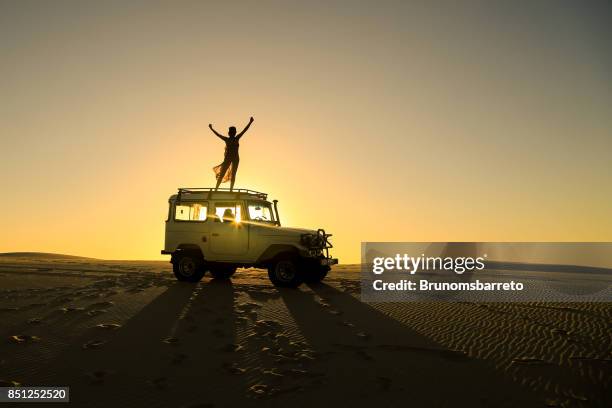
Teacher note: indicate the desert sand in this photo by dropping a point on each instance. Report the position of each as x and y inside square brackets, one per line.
[125, 333]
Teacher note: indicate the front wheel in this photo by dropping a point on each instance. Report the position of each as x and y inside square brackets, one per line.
[188, 267]
[285, 273]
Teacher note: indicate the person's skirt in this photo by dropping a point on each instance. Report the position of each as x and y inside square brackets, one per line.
[228, 173]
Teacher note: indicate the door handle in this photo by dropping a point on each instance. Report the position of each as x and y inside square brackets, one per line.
[214, 234]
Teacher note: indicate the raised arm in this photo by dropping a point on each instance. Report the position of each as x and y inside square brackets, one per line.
[217, 133]
[239, 135]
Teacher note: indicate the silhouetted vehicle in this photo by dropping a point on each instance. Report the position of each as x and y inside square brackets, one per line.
[221, 230]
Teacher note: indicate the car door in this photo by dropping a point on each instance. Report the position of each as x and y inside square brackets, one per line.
[229, 237]
[190, 224]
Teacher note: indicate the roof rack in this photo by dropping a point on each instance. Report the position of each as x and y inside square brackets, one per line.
[210, 190]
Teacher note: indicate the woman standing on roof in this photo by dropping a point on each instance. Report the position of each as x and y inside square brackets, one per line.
[226, 171]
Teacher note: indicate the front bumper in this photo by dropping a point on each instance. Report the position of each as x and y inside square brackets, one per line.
[318, 245]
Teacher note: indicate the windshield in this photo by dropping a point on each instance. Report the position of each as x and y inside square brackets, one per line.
[260, 211]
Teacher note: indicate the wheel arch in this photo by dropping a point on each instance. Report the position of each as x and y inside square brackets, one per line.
[274, 251]
[187, 248]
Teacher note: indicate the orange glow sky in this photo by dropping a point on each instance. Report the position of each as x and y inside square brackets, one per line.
[380, 121]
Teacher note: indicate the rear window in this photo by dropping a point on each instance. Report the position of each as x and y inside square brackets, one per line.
[190, 211]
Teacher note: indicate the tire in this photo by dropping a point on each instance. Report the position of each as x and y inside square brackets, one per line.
[285, 272]
[188, 267]
[316, 274]
[222, 272]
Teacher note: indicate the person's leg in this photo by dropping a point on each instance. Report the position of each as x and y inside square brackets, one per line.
[234, 171]
[224, 167]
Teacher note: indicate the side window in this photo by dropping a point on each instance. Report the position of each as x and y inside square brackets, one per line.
[186, 211]
[260, 212]
[228, 211]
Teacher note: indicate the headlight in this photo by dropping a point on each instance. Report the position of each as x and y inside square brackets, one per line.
[311, 241]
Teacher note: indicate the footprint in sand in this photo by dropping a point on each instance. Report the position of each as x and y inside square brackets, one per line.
[70, 309]
[138, 289]
[247, 306]
[97, 377]
[23, 339]
[304, 356]
[281, 339]
[9, 383]
[263, 295]
[96, 312]
[233, 368]
[171, 340]
[260, 390]
[100, 305]
[363, 335]
[266, 325]
[272, 375]
[93, 344]
[108, 326]
[299, 372]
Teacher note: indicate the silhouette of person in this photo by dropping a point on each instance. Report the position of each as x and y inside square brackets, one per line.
[227, 170]
[228, 215]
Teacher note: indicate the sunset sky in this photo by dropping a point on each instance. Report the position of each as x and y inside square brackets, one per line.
[379, 121]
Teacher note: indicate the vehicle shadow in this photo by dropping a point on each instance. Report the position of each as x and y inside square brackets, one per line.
[157, 357]
[370, 357]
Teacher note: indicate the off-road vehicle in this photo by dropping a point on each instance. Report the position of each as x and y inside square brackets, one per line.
[221, 230]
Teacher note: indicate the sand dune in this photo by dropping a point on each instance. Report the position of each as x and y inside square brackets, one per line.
[38, 256]
[127, 334]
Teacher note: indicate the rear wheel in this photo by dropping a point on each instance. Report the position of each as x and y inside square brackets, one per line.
[316, 274]
[285, 273]
[222, 272]
[188, 267]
